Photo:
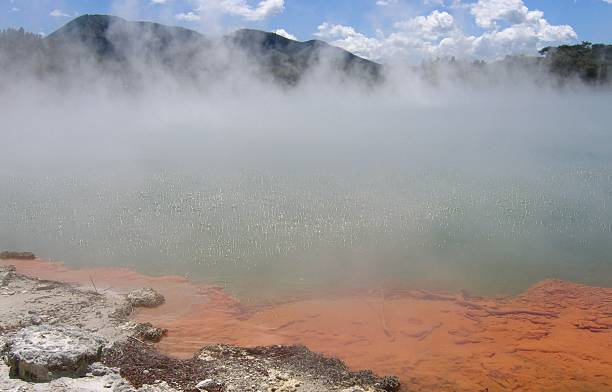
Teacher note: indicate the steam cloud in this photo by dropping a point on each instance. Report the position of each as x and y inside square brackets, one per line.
[488, 181]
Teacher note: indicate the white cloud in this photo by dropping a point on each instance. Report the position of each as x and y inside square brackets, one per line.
[58, 14]
[508, 27]
[284, 33]
[263, 10]
[347, 38]
[159, 1]
[488, 12]
[187, 17]
[429, 27]
[15, 9]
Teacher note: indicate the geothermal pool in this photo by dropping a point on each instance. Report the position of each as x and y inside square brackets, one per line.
[487, 190]
[268, 234]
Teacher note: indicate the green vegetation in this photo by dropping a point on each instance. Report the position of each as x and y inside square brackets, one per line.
[590, 62]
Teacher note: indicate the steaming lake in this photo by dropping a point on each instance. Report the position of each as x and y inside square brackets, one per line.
[257, 231]
[489, 193]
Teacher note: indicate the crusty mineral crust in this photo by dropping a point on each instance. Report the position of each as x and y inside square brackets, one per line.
[6, 274]
[41, 353]
[145, 297]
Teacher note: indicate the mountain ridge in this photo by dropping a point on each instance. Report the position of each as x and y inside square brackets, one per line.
[286, 60]
[129, 51]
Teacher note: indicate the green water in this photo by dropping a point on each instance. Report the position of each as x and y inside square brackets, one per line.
[262, 233]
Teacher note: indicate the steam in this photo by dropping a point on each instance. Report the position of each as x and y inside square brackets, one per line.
[487, 182]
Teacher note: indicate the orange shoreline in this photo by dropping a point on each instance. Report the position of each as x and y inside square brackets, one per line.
[556, 336]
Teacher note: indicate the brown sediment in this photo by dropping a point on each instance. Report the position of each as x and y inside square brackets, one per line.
[556, 336]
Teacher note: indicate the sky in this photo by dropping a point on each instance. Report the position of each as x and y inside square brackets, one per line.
[381, 30]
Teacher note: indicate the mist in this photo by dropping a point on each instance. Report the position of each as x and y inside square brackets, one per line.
[487, 182]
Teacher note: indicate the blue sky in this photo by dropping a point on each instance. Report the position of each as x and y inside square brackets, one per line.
[377, 29]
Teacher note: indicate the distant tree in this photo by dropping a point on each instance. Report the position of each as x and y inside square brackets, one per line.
[586, 61]
[19, 48]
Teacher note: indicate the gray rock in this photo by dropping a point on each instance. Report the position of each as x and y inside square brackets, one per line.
[283, 376]
[6, 274]
[146, 331]
[208, 383]
[145, 297]
[123, 386]
[122, 312]
[41, 353]
[98, 369]
[47, 286]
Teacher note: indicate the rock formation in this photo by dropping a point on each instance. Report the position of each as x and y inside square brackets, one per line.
[145, 297]
[41, 353]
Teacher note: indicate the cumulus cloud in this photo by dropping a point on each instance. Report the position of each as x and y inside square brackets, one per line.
[488, 12]
[58, 14]
[240, 8]
[187, 17]
[429, 27]
[507, 26]
[284, 33]
[348, 38]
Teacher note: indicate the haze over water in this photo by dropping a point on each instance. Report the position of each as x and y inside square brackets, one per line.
[289, 191]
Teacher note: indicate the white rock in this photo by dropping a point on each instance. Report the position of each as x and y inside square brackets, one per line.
[6, 274]
[202, 385]
[45, 352]
[145, 297]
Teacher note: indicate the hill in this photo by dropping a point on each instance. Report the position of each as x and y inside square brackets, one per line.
[109, 45]
[130, 47]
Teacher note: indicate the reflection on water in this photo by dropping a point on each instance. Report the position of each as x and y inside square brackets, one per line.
[262, 232]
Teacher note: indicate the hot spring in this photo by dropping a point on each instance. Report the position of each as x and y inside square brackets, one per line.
[288, 192]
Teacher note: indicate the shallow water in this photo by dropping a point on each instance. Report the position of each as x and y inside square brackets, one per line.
[264, 234]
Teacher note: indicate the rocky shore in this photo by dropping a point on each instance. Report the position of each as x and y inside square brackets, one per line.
[554, 336]
[57, 336]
